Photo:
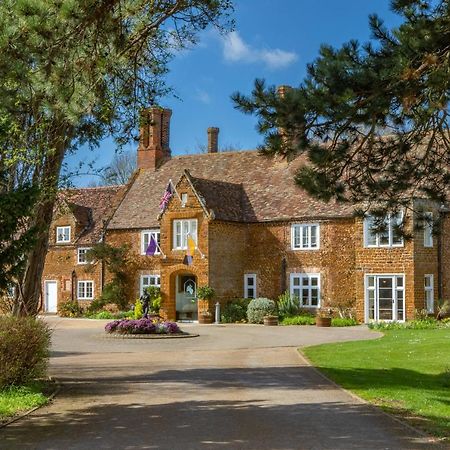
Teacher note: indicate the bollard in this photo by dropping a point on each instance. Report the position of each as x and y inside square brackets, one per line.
[217, 313]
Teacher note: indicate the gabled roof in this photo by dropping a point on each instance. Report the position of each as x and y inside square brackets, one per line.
[91, 207]
[263, 189]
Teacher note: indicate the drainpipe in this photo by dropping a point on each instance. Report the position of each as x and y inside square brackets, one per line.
[72, 284]
[439, 255]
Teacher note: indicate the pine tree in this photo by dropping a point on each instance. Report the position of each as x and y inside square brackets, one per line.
[373, 120]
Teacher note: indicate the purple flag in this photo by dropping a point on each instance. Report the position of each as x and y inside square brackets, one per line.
[152, 246]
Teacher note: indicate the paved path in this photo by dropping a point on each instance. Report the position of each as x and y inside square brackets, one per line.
[234, 387]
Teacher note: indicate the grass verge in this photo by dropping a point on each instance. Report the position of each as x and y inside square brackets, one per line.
[18, 399]
[406, 372]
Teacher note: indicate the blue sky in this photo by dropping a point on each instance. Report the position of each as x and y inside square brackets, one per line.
[273, 39]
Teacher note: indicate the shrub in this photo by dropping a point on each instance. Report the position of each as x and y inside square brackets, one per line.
[138, 310]
[299, 320]
[235, 311]
[258, 308]
[343, 322]
[141, 326]
[205, 293]
[111, 293]
[70, 309]
[423, 324]
[287, 306]
[24, 349]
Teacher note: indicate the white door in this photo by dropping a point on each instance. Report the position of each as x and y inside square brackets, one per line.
[51, 297]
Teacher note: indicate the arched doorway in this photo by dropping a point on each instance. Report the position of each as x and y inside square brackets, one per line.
[186, 297]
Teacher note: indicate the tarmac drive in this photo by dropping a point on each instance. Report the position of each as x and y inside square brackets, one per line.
[233, 387]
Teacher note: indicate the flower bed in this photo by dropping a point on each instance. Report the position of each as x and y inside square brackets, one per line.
[142, 326]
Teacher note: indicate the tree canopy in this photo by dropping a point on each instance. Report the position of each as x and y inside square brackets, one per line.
[72, 72]
[372, 119]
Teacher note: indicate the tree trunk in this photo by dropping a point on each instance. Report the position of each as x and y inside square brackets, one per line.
[30, 288]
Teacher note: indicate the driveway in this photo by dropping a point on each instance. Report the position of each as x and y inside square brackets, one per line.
[233, 387]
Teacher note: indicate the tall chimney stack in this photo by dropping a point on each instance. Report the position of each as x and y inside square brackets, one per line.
[154, 137]
[213, 140]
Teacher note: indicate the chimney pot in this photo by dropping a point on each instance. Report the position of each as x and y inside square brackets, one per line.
[283, 89]
[213, 140]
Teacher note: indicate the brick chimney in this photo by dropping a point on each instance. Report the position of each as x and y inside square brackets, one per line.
[213, 140]
[154, 137]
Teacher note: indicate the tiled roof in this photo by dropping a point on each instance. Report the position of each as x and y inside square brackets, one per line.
[91, 206]
[265, 186]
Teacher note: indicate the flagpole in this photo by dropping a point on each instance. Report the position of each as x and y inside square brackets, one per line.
[160, 251]
[175, 189]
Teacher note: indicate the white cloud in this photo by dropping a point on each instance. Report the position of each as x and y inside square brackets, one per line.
[236, 50]
[202, 96]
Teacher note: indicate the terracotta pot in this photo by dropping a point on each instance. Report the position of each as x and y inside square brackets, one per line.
[205, 319]
[323, 321]
[271, 321]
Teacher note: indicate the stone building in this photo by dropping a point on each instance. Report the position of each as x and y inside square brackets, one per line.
[256, 235]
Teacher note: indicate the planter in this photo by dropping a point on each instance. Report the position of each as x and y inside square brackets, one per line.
[271, 321]
[323, 321]
[205, 319]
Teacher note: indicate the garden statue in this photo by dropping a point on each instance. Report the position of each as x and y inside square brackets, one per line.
[145, 302]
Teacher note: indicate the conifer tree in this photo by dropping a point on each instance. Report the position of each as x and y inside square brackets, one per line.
[373, 119]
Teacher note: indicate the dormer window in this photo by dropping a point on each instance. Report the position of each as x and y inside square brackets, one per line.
[63, 234]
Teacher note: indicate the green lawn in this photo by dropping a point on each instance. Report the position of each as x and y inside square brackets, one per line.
[406, 372]
[19, 399]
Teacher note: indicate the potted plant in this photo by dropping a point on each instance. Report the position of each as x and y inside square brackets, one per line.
[204, 295]
[270, 320]
[323, 318]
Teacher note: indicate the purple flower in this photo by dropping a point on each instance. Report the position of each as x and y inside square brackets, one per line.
[151, 325]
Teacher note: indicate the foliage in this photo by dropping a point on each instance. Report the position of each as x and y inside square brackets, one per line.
[205, 293]
[110, 315]
[24, 349]
[123, 165]
[373, 120]
[70, 308]
[443, 309]
[299, 320]
[343, 322]
[404, 372]
[258, 308]
[95, 66]
[428, 323]
[235, 311]
[15, 399]
[116, 261]
[287, 305]
[154, 293]
[142, 326]
[16, 237]
[138, 309]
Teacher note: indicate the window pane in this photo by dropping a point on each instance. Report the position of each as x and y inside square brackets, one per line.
[193, 230]
[371, 281]
[305, 296]
[305, 281]
[399, 281]
[305, 236]
[250, 281]
[296, 233]
[314, 235]
[250, 293]
[314, 281]
[371, 237]
[314, 297]
[396, 221]
[296, 281]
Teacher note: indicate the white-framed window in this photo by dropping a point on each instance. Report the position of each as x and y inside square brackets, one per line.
[81, 255]
[428, 230]
[305, 287]
[250, 285]
[85, 290]
[385, 297]
[429, 292]
[305, 236]
[145, 240]
[389, 237]
[63, 234]
[181, 230]
[149, 280]
[11, 290]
